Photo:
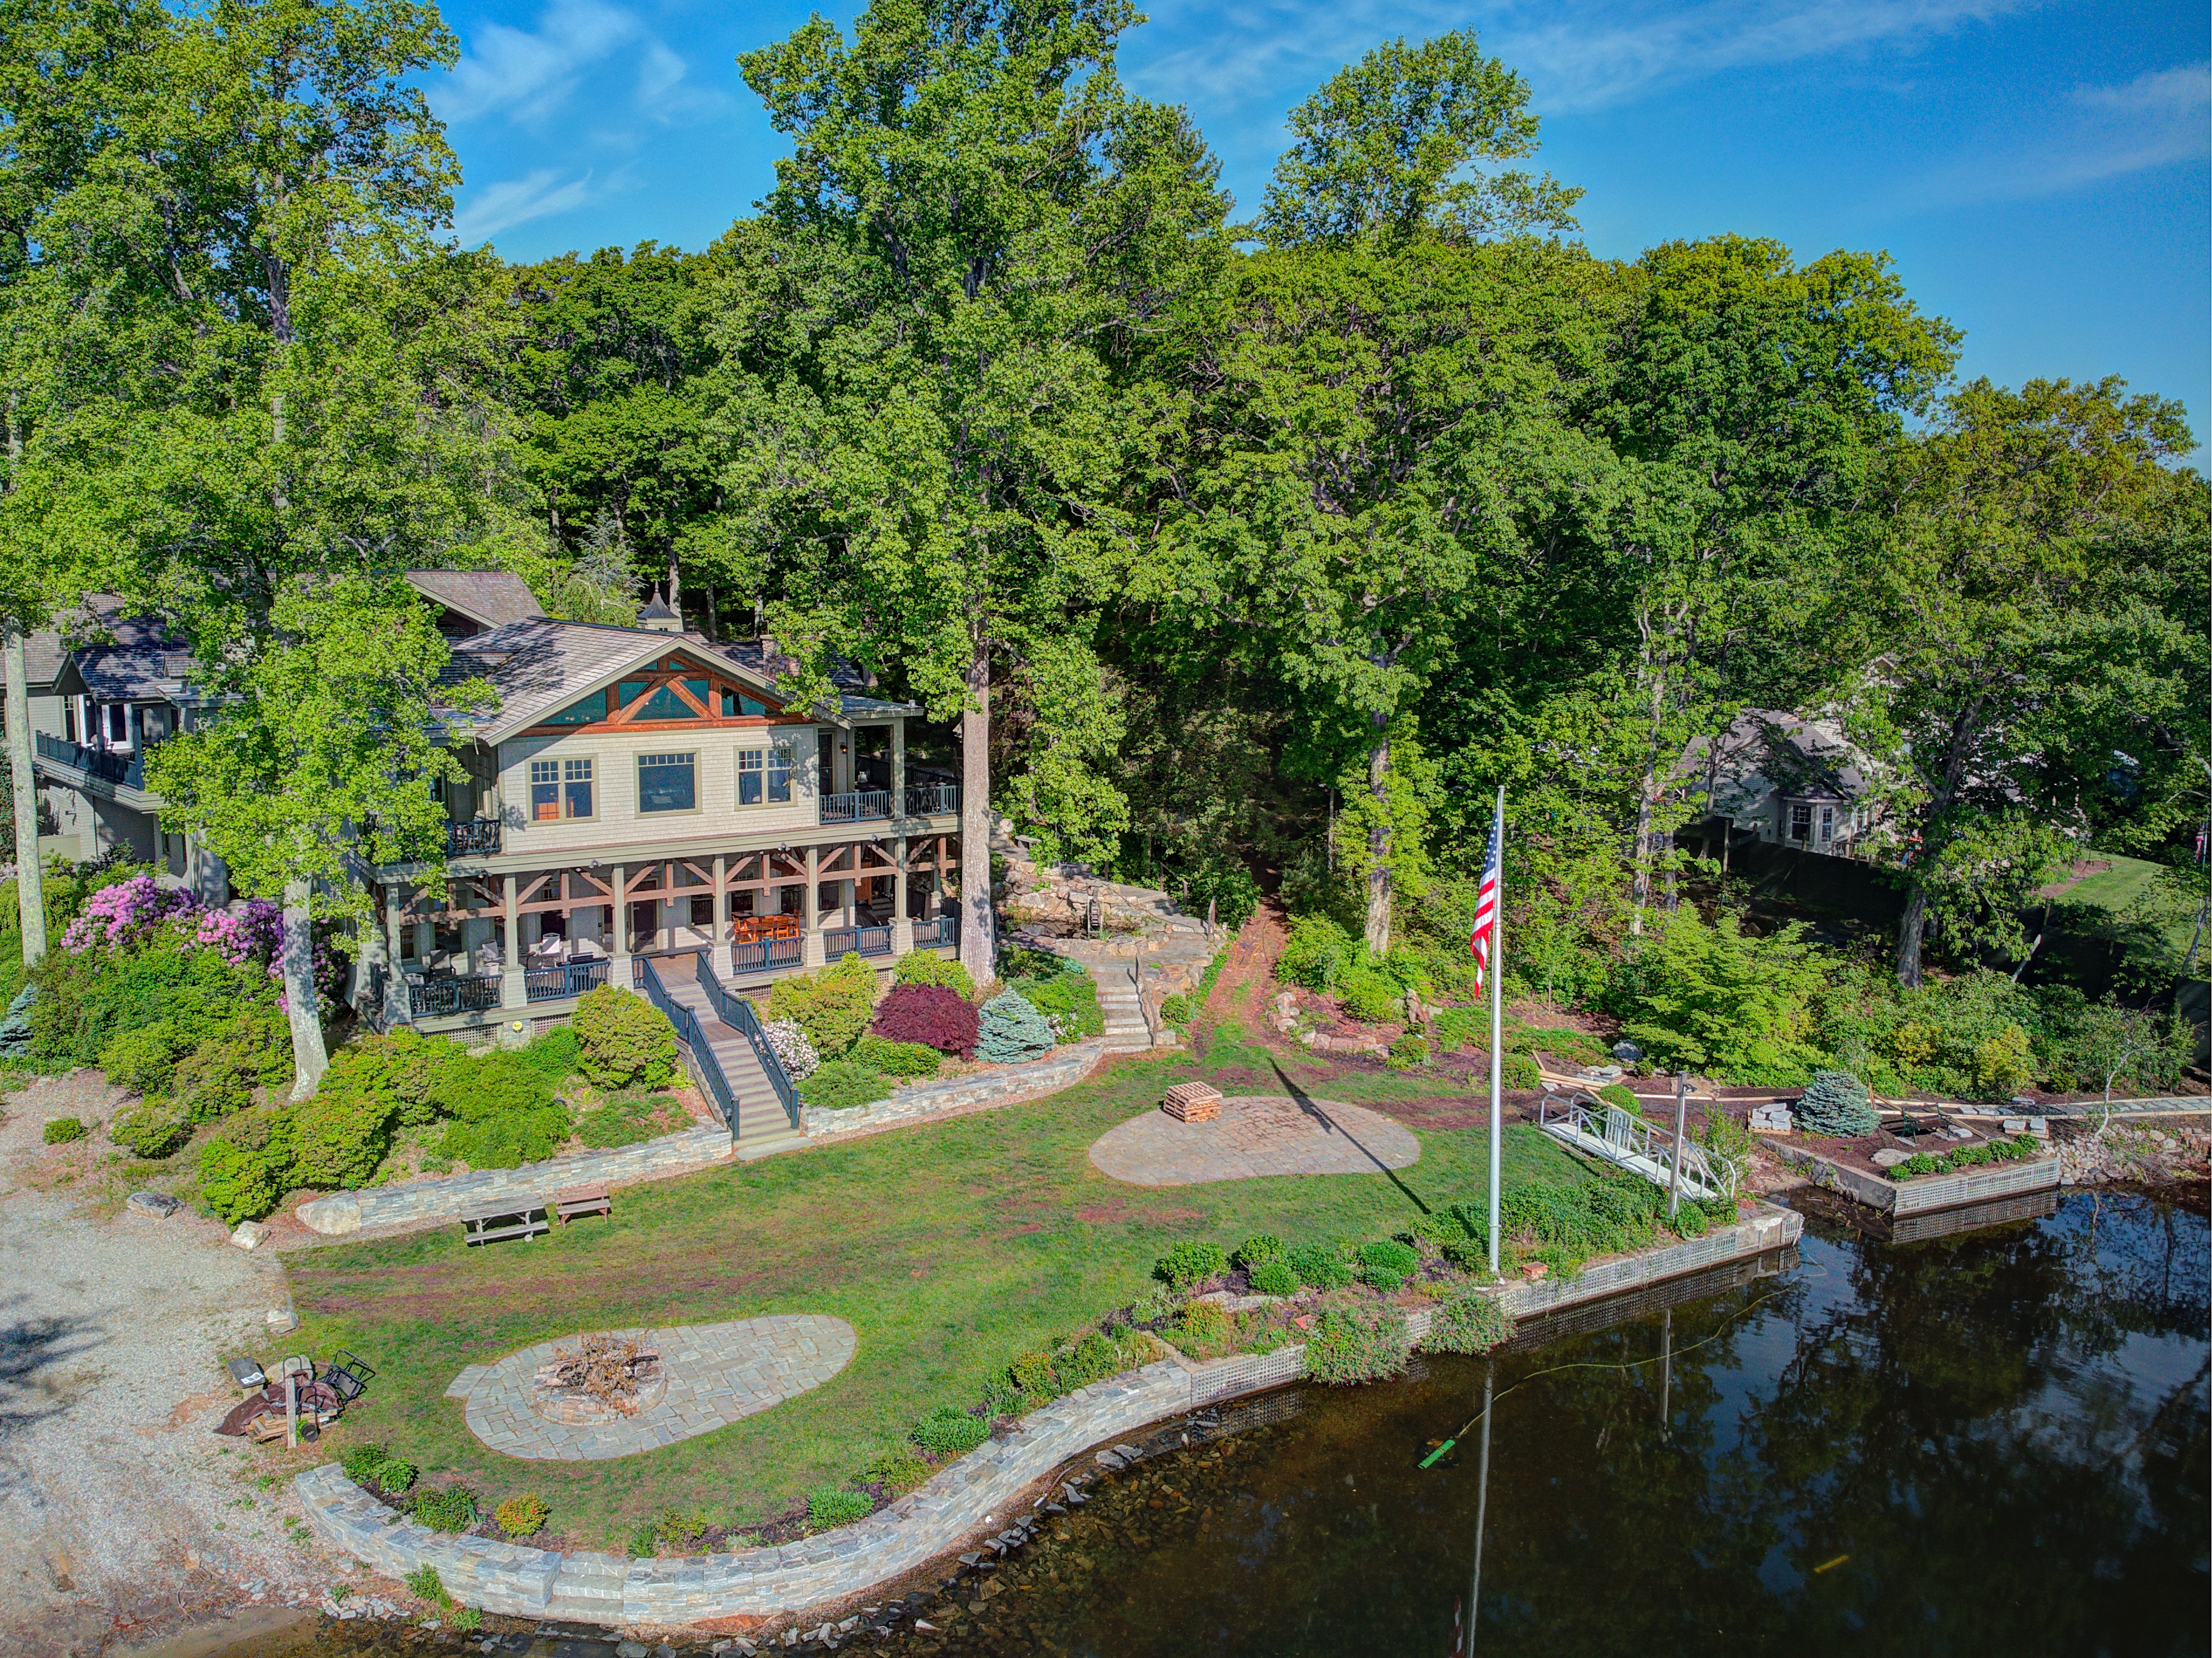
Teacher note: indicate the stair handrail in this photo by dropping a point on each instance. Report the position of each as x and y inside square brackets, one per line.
[1622, 1128]
[707, 1067]
[738, 1013]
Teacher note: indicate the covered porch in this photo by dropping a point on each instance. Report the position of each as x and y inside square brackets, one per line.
[535, 940]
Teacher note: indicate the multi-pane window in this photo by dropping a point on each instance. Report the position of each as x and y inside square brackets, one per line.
[1801, 820]
[559, 788]
[763, 776]
[666, 782]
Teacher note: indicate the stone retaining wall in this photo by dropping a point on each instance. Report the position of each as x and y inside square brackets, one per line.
[606, 1588]
[445, 1199]
[1878, 1191]
[1062, 1068]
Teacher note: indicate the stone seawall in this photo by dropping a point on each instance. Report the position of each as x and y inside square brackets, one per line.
[606, 1588]
[1062, 1068]
[426, 1201]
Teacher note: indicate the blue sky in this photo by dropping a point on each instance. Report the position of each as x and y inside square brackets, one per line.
[2039, 171]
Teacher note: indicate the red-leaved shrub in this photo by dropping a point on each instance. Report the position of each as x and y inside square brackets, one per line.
[927, 1013]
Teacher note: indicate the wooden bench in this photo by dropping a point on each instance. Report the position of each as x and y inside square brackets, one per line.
[583, 1200]
[514, 1218]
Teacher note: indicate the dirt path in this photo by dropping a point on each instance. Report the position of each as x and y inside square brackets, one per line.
[121, 1515]
[1241, 992]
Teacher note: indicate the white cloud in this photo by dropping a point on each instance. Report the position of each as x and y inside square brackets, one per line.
[531, 76]
[2101, 132]
[537, 194]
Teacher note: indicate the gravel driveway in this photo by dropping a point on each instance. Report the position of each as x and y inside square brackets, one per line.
[120, 1513]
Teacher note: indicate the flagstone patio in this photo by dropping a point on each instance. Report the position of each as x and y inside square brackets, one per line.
[1255, 1135]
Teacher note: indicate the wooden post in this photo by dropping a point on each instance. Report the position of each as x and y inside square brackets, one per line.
[1675, 1169]
[292, 1407]
[716, 955]
[810, 953]
[513, 991]
[620, 973]
[902, 924]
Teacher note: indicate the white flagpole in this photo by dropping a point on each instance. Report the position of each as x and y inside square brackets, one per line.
[1497, 1021]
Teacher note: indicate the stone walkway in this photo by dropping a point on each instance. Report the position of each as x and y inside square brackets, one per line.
[717, 1373]
[1256, 1134]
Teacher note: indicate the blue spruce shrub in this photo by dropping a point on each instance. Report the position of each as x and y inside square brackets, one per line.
[1012, 1029]
[1836, 1103]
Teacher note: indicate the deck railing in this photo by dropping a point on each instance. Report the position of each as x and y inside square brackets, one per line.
[477, 837]
[738, 1013]
[863, 806]
[937, 931]
[704, 1065]
[1622, 1138]
[547, 984]
[931, 799]
[127, 769]
[767, 955]
[450, 994]
[841, 941]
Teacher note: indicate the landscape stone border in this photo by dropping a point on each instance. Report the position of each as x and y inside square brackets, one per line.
[715, 1375]
[923, 1525]
[1256, 1137]
[1926, 1192]
[933, 1097]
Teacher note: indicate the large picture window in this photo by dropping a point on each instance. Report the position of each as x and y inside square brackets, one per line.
[559, 789]
[666, 782]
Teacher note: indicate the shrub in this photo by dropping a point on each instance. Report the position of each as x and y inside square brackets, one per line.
[900, 1060]
[1192, 1262]
[630, 1120]
[217, 1077]
[356, 1461]
[1320, 1266]
[152, 1128]
[1274, 1278]
[341, 1133]
[1094, 1358]
[1618, 1093]
[1362, 1343]
[934, 1016]
[423, 1583]
[1316, 952]
[622, 1041]
[1519, 1073]
[1035, 1374]
[1261, 1245]
[948, 1430]
[832, 1007]
[1739, 1006]
[2001, 1066]
[792, 1049]
[1367, 996]
[407, 1067]
[897, 1469]
[1386, 1265]
[248, 1167]
[678, 1531]
[1069, 1003]
[143, 1058]
[1726, 1140]
[1178, 1009]
[503, 1110]
[829, 1507]
[392, 1476]
[60, 1130]
[1470, 1323]
[467, 1619]
[843, 1084]
[1205, 1330]
[1409, 1053]
[444, 1507]
[1456, 1028]
[1836, 1103]
[553, 1056]
[922, 967]
[1011, 1029]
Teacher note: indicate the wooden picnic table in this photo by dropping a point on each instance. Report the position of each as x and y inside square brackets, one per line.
[510, 1217]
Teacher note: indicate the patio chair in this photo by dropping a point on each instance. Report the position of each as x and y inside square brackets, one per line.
[346, 1374]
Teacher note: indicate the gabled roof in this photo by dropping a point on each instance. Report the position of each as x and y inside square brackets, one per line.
[541, 665]
[493, 598]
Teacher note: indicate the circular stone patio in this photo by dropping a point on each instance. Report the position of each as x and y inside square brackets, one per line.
[1256, 1134]
[715, 1375]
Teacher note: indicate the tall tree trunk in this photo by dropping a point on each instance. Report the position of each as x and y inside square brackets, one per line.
[30, 882]
[978, 942]
[1378, 839]
[1912, 929]
[309, 1057]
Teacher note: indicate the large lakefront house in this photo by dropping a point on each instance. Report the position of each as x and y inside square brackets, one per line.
[636, 792]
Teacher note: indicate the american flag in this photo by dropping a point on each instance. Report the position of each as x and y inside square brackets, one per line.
[1486, 910]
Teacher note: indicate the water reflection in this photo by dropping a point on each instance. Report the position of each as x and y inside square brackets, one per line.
[1985, 1441]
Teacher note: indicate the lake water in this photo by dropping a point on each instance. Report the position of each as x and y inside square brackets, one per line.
[1992, 1442]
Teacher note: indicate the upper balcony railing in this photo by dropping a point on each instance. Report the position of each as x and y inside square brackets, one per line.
[874, 805]
[477, 837]
[127, 769]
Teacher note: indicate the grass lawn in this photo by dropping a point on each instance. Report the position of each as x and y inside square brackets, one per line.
[949, 1247]
[2129, 906]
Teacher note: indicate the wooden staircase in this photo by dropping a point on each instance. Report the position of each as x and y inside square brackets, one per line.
[762, 1121]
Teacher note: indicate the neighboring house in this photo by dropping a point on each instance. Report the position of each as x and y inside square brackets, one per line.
[636, 792]
[1791, 781]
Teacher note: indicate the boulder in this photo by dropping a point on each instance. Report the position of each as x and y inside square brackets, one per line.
[333, 1217]
[249, 1234]
[1890, 1158]
[156, 1204]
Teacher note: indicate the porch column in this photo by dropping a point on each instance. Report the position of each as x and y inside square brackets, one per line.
[719, 956]
[902, 924]
[812, 952]
[898, 792]
[398, 1004]
[513, 993]
[620, 973]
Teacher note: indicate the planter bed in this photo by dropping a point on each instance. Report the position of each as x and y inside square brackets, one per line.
[1847, 1168]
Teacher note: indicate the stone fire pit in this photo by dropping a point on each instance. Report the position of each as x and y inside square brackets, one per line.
[597, 1378]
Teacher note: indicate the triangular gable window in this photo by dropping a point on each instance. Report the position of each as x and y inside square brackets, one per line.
[585, 711]
[664, 704]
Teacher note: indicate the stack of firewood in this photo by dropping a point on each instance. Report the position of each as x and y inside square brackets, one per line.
[1193, 1103]
[605, 1368]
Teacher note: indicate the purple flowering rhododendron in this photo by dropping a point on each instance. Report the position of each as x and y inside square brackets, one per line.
[126, 913]
[132, 911]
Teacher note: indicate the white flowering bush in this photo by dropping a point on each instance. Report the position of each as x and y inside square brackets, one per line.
[792, 1049]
